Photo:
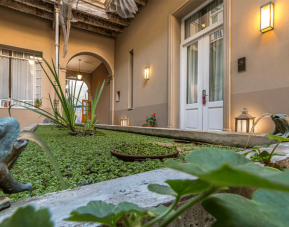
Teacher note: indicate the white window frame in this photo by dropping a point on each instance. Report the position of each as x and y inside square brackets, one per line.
[36, 60]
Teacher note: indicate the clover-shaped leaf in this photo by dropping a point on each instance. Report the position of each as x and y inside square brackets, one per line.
[266, 209]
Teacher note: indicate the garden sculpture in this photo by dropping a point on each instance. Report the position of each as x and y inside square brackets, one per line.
[281, 124]
[10, 148]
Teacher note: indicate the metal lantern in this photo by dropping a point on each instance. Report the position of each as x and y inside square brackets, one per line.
[244, 122]
[123, 121]
[267, 17]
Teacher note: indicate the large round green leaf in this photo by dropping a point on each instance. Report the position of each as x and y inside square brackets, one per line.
[223, 168]
[266, 209]
[29, 217]
[105, 213]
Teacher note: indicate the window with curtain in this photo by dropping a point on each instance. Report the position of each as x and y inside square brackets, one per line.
[216, 66]
[204, 18]
[20, 77]
[192, 74]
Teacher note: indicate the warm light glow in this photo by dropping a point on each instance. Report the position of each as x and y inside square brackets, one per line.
[123, 122]
[79, 76]
[267, 17]
[147, 73]
[203, 25]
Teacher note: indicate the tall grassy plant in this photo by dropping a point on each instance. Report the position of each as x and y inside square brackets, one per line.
[68, 103]
[90, 124]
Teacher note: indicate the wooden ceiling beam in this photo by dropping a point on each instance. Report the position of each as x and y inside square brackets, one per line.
[50, 16]
[78, 16]
[96, 12]
[26, 9]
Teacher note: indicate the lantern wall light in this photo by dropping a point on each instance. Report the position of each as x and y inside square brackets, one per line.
[147, 73]
[123, 121]
[244, 122]
[267, 17]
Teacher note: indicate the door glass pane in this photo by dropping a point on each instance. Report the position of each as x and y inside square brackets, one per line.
[204, 18]
[216, 67]
[192, 74]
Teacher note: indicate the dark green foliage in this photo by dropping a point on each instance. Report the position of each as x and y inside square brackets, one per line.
[29, 217]
[144, 149]
[266, 209]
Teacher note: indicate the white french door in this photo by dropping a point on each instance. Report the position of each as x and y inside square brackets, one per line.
[202, 82]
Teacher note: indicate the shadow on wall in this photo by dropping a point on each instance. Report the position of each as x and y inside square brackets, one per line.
[103, 108]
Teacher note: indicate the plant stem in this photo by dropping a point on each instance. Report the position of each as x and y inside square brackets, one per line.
[189, 204]
[152, 222]
[126, 222]
[269, 160]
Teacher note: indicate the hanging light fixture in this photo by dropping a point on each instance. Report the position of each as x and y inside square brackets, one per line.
[79, 76]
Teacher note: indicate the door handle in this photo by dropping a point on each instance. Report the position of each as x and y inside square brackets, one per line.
[204, 97]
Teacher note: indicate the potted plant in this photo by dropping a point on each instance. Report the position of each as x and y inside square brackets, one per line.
[150, 121]
[38, 102]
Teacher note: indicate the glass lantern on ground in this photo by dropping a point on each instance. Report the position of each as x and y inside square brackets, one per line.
[244, 122]
[123, 121]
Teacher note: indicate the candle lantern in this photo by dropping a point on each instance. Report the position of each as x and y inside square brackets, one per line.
[123, 121]
[244, 122]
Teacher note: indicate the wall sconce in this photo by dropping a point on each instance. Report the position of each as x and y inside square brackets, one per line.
[123, 121]
[244, 122]
[147, 73]
[267, 17]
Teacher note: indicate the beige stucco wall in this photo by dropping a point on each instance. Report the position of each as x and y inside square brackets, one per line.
[102, 112]
[147, 35]
[30, 32]
[264, 86]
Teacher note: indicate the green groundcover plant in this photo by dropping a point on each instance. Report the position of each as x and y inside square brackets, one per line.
[83, 159]
[215, 169]
[145, 149]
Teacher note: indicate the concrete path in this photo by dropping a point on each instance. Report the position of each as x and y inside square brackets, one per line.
[131, 189]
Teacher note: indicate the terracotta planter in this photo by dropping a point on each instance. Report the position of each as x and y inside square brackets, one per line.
[37, 106]
[148, 126]
[127, 157]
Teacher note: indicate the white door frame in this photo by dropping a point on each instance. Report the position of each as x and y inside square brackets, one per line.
[183, 58]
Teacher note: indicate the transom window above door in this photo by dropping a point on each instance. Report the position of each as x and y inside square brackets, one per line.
[203, 18]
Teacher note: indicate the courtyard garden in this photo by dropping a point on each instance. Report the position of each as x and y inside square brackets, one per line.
[85, 160]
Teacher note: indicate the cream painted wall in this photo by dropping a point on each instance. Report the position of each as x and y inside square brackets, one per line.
[264, 86]
[147, 35]
[99, 75]
[30, 32]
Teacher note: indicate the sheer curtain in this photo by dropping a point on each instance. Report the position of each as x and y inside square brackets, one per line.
[4, 77]
[22, 79]
[192, 74]
[216, 71]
